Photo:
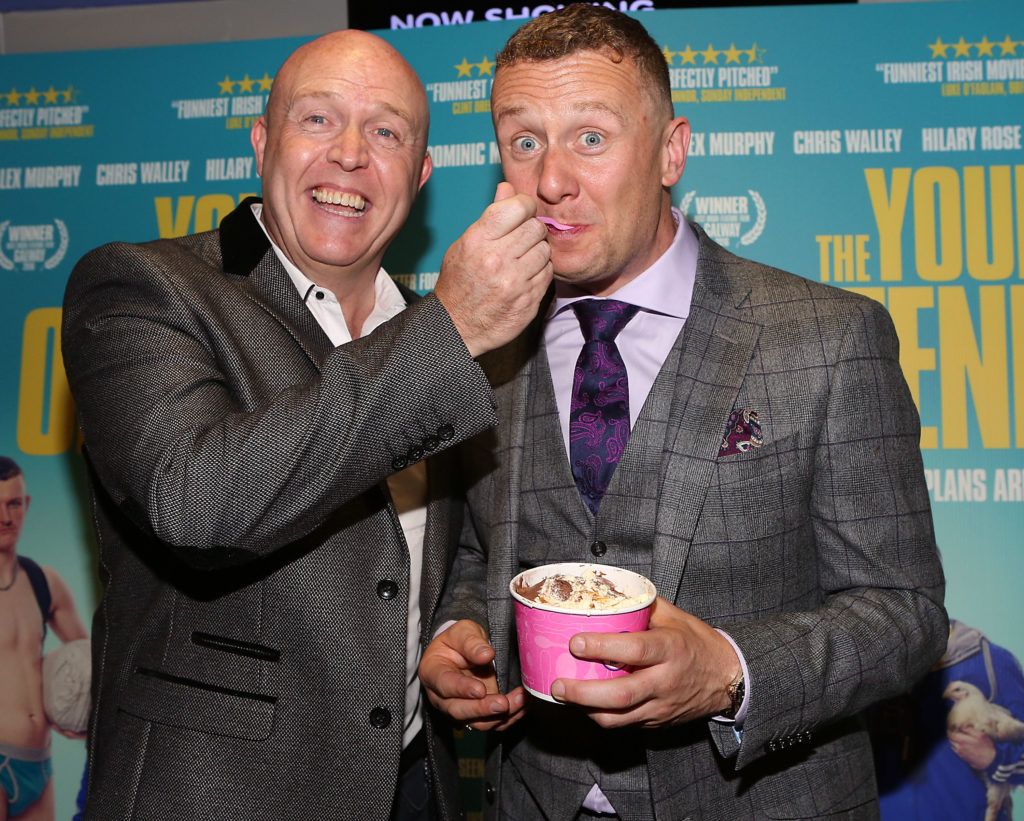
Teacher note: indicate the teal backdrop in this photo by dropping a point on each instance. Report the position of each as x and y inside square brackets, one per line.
[876, 147]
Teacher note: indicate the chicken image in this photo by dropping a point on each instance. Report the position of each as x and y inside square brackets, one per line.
[971, 710]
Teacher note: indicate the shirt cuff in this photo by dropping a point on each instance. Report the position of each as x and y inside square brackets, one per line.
[741, 713]
[450, 622]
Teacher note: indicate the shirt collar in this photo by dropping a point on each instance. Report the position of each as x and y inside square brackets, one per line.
[664, 288]
[387, 299]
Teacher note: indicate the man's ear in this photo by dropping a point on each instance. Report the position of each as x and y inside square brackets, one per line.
[676, 147]
[427, 170]
[258, 138]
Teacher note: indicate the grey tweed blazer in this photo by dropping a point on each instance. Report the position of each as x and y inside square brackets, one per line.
[815, 552]
[249, 647]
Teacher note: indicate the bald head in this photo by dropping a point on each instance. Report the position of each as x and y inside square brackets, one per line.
[331, 54]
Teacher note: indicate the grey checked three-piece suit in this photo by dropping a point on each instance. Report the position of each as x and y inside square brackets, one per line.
[815, 552]
[249, 647]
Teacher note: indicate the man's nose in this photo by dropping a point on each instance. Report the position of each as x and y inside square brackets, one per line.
[349, 150]
[557, 177]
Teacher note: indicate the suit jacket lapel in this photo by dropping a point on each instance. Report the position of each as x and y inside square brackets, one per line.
[718, 341]
[510, 370]
[246, 251]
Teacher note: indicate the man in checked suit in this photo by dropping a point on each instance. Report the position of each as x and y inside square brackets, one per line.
[257, 403]
[771, 485]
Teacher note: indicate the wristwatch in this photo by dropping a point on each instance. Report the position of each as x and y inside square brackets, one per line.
[737, 690]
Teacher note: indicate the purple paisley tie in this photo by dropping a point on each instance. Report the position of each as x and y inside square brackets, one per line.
[599, 414]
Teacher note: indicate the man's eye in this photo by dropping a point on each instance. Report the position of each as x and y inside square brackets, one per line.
[525, 144]
[592, 139]
[384, 132]
[316, 119]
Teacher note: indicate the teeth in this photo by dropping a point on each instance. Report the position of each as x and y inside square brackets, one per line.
[322, 195]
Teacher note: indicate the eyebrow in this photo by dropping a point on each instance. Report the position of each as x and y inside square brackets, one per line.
[330, 95]
[578, 108]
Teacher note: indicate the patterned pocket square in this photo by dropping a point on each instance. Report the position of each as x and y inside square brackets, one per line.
[742, 433]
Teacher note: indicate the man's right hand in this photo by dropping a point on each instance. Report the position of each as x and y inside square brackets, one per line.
[457, 671]
[494, 276]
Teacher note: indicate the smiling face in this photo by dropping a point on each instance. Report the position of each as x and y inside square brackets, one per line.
[598, 154]
[13, 504]
[341, 152]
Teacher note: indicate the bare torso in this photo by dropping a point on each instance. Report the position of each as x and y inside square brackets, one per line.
[22, 718]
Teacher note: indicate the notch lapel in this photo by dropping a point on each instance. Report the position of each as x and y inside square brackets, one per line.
[246, 251]
[718, 342]
[510, 370]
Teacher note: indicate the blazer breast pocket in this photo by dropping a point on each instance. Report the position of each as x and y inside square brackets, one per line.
[756, 495]
[203, 706]
[759, 464]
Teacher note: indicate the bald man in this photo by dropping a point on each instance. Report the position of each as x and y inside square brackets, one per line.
[267, 422]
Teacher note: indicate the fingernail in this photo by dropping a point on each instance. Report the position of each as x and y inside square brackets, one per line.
[497, 707]
[577, 645]
[558, 691]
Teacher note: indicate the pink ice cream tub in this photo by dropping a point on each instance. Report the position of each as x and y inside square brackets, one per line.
[545, 629]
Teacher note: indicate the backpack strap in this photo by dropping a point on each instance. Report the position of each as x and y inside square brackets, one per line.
[40, 586]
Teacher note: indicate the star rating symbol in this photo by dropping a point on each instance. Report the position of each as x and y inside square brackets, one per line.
[1007, 46]
[961, 48]
[464, 68]
[689, 55]
[939, 48]
[245, 84]
[668, 54]
[710, 55]
[485, 66]
[227, 85]
[266, 81]
[33, 96]
[985, 47]
[755, 54]
[732, 54]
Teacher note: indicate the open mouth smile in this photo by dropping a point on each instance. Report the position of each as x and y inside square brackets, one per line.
[351, 205]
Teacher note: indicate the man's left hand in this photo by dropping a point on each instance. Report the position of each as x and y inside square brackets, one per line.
[682, 671]
[976, 749]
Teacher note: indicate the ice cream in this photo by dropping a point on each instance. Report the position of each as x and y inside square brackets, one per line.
[554, 602]
[591, 590]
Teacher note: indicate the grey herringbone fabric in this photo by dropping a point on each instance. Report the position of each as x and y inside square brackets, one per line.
[248, 663]
[815, 552]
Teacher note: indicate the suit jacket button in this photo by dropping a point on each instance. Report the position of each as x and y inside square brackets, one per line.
[415, 453]
[432, 442]
[387, 589]
[399, 463]
[446, 432]
[489, 792]
[380, 717]
[599, 548]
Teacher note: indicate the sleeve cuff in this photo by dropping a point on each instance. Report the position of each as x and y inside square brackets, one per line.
[741, 713]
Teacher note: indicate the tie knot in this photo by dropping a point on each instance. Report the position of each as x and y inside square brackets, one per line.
[603, 318]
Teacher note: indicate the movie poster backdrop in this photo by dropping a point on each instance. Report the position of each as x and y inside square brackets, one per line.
[874, 147]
